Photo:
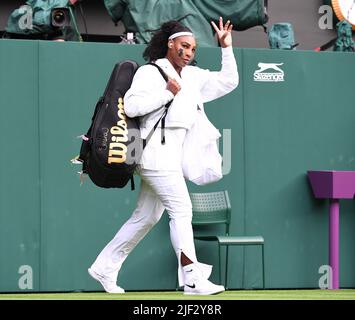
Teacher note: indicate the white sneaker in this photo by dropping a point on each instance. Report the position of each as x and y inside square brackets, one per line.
[109, 285]
[202, 287]
[197, 283]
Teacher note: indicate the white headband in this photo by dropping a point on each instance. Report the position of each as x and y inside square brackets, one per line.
[179, 34]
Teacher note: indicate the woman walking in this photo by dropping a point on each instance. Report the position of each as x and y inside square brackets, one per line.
[163, 186]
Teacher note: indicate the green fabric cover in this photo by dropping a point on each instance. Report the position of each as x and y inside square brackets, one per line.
[344, 40]
[144, 17]
[281, 36]
[243, 14]
[41, 19]
[41, 16]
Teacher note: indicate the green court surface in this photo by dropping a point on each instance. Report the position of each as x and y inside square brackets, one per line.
[312, 294]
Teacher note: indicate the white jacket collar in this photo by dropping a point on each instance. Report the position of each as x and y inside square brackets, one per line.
[165, 64]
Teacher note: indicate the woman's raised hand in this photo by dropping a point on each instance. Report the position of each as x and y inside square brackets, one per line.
[224, 33]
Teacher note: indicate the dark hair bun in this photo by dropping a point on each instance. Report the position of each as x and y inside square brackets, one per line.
[173, 26]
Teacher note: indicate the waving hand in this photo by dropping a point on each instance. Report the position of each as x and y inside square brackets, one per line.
[224, 33]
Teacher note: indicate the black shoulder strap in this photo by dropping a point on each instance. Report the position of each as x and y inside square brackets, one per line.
[162, 72]
[162, 118]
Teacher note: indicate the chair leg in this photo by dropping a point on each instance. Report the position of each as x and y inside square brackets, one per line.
[226, 273]
[220, 263]
[263, 265]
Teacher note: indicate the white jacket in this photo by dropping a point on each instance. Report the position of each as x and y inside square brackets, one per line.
[148, 95]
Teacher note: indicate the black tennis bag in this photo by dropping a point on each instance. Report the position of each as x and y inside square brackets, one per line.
[111, 149]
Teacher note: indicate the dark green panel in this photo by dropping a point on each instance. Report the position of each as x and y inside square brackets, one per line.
[19, 165]
[273, 132]
[305, 122]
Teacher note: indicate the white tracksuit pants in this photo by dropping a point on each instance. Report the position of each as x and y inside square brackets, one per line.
[159, 190]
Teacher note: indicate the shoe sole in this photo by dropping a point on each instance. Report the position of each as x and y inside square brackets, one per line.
[205, 293]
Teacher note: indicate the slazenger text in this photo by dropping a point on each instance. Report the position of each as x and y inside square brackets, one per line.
[269, 77]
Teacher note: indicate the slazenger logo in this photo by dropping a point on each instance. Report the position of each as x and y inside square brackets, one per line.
[276, 76]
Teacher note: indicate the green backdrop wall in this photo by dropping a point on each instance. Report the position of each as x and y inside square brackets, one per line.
[273, 132]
